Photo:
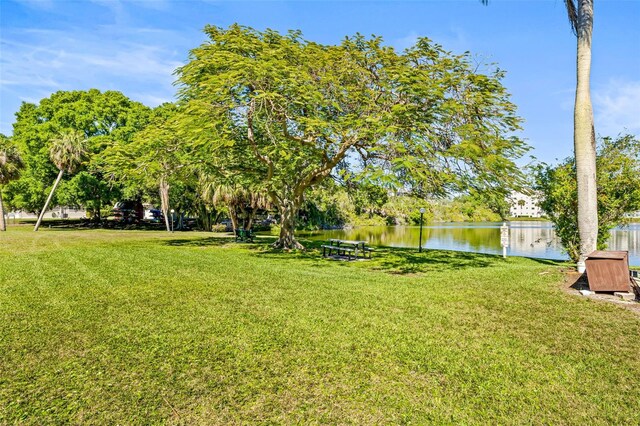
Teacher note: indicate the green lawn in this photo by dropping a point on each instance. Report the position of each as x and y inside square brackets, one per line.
[135, 327]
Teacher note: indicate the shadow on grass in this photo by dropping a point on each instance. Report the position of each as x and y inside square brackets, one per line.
[198, 242]
[260, 244]
[410, 261]
[90, 225]
[394, 260]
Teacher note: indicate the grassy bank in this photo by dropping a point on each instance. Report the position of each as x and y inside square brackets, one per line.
[141, 327]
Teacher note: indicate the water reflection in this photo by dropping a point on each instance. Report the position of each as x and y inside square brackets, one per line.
[532, 239]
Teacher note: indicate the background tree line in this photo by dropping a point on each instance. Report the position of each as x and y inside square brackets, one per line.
[321, 135]
[266, 120]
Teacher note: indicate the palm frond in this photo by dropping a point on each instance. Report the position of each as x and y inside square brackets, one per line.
[10, 163]
[68, 150]
[572, 13]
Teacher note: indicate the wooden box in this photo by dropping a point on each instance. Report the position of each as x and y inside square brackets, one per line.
[608, 270]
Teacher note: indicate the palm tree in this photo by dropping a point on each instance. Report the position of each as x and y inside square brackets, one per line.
[67, 152]
[230, 196]
[237, 199]
[584, 141]
[580, 13]
[10, 166]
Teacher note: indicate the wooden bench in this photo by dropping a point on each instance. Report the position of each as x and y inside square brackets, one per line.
[344, 251]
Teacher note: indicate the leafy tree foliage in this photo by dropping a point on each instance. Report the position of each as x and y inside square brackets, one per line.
[284, 113]
[155, 157]
[10, 167]
[86, 190]
[27, 193]
[618, 191]
[103, 118]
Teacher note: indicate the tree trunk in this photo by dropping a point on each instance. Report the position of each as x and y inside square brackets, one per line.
[164, 201]
[46, 204]
[204, 217]
[250, 219]
[98, 215]
[287, 239]
[584, 136]
[243, 218]
[233, 217]
[3, 223]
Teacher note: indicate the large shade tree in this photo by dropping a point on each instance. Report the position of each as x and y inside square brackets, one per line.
[67, 152]
[10, 166]
[104, 118]
[286, 112]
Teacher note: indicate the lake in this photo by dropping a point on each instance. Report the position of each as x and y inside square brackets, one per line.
[530, 239]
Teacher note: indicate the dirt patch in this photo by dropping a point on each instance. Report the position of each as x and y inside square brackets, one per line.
[574, 282]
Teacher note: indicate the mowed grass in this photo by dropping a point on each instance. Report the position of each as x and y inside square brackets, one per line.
[134, 327]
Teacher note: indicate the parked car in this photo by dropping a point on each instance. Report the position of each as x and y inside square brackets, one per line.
[128, 211]
[153, 215]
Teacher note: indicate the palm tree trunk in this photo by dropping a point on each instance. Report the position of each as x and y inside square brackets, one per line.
[252, 216]
[243, 212]
[233, 216]
[584, 137]
[46, 204]
[3, 224]
[164, 201]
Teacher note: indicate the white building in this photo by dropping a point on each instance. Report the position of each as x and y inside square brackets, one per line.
[58, 212]
[523, 205]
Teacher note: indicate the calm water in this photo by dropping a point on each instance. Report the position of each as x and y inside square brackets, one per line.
[531, 239]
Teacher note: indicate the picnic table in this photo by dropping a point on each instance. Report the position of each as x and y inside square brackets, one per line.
[347, 248]
[245, 235]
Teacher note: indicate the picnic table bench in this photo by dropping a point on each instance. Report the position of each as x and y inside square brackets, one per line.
[347, 248]
[245, 235]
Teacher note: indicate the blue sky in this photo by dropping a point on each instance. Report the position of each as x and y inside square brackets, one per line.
[134, 46]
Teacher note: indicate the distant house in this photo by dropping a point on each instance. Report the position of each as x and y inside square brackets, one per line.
[633, 215]
[523, 205]
[58, 212]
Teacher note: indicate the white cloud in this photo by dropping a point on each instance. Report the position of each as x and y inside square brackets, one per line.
[617, 107]
[49, 58]
[139, 62]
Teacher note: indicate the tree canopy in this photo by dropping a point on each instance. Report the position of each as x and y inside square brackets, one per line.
[284, 113]
[273, 121]
[10, 168]
[102, 118]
